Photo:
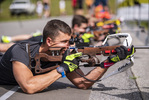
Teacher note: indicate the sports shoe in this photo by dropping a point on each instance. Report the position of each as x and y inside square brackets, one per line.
[5, 39]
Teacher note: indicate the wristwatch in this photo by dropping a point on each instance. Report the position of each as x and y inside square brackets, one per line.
[61, 71]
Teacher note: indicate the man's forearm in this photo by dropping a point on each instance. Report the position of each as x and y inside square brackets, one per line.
[93, 75]
[83, 83]
[40, 82]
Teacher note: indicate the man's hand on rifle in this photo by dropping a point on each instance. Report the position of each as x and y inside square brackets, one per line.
[121, 53]
[70, 62]
[86, 37]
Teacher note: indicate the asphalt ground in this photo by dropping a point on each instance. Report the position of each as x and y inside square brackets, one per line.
[132, 84]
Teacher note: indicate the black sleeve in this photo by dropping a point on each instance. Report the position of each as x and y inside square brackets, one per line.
[19, 54]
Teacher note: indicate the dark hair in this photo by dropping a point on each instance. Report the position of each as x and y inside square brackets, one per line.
[78, 20]
[53, 27]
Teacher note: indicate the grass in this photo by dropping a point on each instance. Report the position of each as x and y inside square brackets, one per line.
[55, 8]
[126, 3]
[112, 6]
[5, 13]
[134, 77]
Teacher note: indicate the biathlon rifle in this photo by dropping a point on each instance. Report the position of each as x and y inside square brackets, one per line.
[91, 52]
[116, 21]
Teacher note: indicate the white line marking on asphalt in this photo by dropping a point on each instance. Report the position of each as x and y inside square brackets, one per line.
[9, 93]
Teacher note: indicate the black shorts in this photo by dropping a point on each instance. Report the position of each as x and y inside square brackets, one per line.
[35, 39]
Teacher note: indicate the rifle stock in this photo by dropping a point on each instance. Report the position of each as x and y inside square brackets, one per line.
[38, 69]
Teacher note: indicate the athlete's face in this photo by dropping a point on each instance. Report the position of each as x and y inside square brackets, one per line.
[81, 28]
[62, 41]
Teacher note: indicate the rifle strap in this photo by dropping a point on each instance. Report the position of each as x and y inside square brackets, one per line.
[29, 55]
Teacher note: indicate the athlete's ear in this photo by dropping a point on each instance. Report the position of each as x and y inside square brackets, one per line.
[48, 41]
[75, 27]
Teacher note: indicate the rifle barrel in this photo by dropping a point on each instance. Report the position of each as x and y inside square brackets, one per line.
[141, 47]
